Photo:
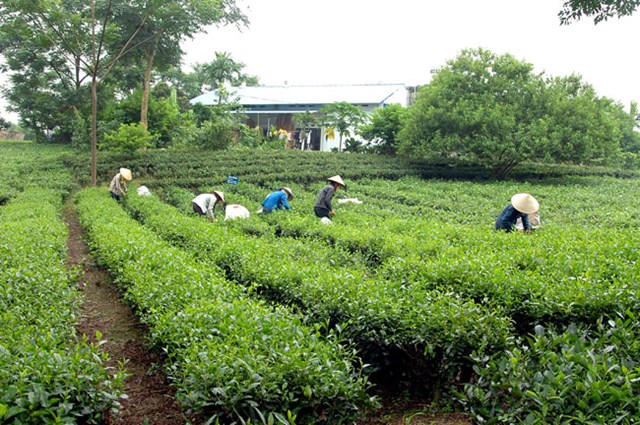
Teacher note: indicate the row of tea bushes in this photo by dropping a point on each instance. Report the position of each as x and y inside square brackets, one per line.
[47, 374]
[203, 168]
[181, 199]
[27, 165]
[576, 376]
[230, 357]
[399, 329]
[555, 276]
[559, 274]
[195, 169]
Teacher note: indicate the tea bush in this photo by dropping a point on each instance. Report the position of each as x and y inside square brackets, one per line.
[49, 374]
[230, 357]
[572, 376]
[402, 331]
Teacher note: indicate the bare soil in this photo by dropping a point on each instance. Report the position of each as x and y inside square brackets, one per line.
[151, 400]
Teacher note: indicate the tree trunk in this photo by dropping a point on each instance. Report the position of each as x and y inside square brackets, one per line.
[94, 129]
[146, 90]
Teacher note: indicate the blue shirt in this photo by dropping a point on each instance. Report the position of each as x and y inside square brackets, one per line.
[508, 217]
[276, 201]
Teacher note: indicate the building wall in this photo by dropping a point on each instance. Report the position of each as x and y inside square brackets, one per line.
[11, 135]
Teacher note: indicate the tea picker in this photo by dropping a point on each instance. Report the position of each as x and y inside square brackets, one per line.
[118, 185]
[278, 200]
[522, 204]
[322, 208]
[204, 203]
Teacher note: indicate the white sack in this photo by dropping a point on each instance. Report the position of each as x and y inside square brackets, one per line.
[234, 211]
[349, 201]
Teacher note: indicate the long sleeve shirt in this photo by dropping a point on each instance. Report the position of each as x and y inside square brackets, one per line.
[276, 201]
[206, 202]
[118, 186]
[325, 196]
[508, 217]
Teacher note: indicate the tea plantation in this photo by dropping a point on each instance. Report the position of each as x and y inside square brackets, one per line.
[281, 319]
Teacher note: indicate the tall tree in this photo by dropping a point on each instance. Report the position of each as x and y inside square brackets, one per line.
[78, 32]
[161, 25]
[476, 109]
[600, 10]
[46, 81]
[344, 117]
[223, 70]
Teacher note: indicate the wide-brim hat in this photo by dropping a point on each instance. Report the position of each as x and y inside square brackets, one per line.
[337, 179]
[219, 194]
[126, 174]
[525, 203]
[288, 191]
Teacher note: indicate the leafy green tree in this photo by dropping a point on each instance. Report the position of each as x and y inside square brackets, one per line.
[628, 128]
[90, 37]
[600, 10]
[577, 126]
[493, 111]
[477, 109]
[76, 33]
[382, 130]
[221, 71]
[159, 27]
[45, 80]
[343, 117]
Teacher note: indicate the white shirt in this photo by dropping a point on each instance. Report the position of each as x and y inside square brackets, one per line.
[206, 202]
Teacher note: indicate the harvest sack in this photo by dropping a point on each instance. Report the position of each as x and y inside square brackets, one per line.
[143, 191]
[349, 201]
[234, 211]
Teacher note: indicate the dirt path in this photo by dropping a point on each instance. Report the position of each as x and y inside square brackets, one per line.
[150, 399]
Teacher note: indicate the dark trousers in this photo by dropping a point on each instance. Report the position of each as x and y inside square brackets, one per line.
[506, 226]
[197, 209]
[321, 212]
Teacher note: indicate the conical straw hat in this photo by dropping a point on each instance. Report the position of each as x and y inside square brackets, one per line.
[525, 203]
[219, 194]
[126, 174]
[337, 179]
[288, 191]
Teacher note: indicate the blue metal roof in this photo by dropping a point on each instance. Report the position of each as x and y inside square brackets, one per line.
[360, 94]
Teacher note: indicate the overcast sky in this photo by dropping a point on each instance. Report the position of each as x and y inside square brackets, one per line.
[400, 41]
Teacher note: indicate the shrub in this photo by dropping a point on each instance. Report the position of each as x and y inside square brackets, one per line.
[216, 134]
[128, 138]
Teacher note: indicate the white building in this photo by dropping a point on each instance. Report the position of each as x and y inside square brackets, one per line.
[268, 106]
